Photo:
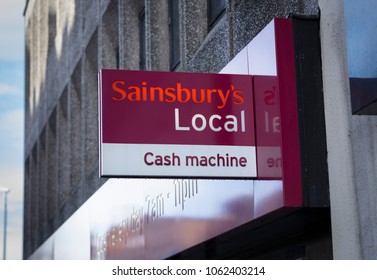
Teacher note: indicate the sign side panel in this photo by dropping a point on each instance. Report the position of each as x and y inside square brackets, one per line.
[288, 112]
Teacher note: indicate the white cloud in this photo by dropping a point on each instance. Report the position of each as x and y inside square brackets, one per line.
[6, 89]
[11, 152]
[11, 29]
[10, 9]
[11, 133]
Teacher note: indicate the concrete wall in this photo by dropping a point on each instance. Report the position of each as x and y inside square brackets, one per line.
[352, 141]
[67, 41]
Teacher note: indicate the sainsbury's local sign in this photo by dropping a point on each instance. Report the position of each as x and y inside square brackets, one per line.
[169, 124]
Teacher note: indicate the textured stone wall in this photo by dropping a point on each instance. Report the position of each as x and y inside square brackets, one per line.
[352, 147]
[67, 42]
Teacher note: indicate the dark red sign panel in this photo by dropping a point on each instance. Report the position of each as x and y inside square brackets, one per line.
[267, 118]
[168, 114]
[150, 107]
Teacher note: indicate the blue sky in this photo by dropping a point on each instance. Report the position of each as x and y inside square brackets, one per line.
[12, 121]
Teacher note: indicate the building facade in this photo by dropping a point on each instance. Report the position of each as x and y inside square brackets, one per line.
[68, 42]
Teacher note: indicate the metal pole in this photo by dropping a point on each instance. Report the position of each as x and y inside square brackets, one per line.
[5, 225]
[5, 191]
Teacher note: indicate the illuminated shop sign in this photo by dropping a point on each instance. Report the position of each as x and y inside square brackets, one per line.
[261, 112]
[169, 124]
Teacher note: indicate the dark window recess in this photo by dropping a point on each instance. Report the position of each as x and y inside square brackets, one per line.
[215, 9]
[174, 42]
[142, 42]
[117, 58]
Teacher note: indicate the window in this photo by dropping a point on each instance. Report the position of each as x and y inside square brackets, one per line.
[361, 41]
[117, 57]
[174, 42]
[142, 42]
[215, 9]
